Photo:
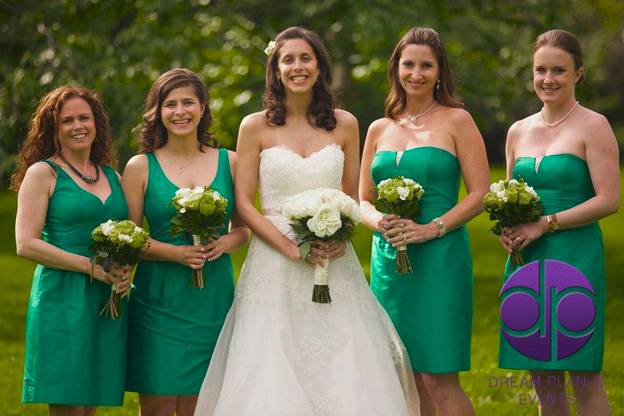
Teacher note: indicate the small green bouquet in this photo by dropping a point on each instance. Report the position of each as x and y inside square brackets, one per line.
[400, 196]
[512, 202]
[200, 212]
[116, 242]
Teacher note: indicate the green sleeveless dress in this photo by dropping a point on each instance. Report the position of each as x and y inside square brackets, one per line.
[173, 328]
[432, 307]
[562, 181]
[73, 355]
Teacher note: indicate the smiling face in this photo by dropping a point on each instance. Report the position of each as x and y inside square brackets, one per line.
[554, 75]
[76, 125]
[181, 112]
[297, 66]
[418, 70]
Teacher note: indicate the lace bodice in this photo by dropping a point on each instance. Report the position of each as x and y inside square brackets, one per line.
[284, 173]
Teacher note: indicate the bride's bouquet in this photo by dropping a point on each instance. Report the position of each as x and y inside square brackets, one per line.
[509, 203]
[321, 214]
[116, 242]
[400, 196]
[200, 212]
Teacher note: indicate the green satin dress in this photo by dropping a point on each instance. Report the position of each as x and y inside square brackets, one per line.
[173, 328]
[562, 181]
[432, 307]
[73, 355]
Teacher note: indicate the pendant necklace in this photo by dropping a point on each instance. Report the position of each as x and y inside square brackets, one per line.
[88, 179]
[561, 119]
[412, 118]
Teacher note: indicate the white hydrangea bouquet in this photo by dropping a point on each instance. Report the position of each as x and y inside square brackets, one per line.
[200, 211]
[399, 196]
[116, 242]
[321, 214]
[512, 202]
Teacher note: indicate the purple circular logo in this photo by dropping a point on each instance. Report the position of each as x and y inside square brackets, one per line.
[547, 312]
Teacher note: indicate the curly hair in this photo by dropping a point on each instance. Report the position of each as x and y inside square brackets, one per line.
[322, 106]
[396, 100]
[565, 40]
[42, 140]
[153, 134]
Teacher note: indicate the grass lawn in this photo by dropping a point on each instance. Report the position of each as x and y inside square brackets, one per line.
[488, 397]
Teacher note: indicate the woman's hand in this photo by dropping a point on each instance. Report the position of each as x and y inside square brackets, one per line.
[191, 256]
[216, 247]
[520, 236]
[118, 276]
[402, 231]
[323, 251]
[383, 223]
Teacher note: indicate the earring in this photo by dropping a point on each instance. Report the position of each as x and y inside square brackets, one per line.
[438, 85]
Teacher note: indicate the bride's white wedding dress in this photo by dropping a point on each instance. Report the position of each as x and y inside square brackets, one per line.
[280, 354]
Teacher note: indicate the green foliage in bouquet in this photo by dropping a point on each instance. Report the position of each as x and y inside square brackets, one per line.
[400, 196]
[199, 211]
[117, 242]
[512, 202]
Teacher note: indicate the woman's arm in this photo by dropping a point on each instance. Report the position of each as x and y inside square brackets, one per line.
[370, 216]
[245, 183]
[134, 184]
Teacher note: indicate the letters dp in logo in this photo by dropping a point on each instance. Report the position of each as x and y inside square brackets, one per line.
[547, 314]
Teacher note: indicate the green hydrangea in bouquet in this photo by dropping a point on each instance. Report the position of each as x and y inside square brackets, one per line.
[399, 196]
[200, 212]
[512, 202]
[116, 242]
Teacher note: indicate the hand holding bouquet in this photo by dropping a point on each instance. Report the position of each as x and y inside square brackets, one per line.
[200, 212]
[322, 214]
[509, 203]
[399, 196]
[116, 243]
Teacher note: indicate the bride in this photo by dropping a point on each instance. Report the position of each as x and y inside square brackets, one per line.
[279, 353]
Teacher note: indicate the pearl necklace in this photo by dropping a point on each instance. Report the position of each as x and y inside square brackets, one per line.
[560, 120]
[412, 118]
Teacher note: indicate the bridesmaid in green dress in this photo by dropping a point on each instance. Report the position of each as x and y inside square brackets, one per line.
[427, 136]
[75, 359]
[569, 154]
[173, 327]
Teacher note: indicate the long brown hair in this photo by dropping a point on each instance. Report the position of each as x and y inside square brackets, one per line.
[562, 39]
[42, 139]
[153, 134]
[321, 109]
[396, 101]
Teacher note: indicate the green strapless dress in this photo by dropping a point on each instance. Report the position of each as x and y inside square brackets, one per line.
[432, 307]
[173, 328]
[562, 181]
[73, 355]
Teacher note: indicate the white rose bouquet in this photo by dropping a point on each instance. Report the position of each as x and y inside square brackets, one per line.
[200, 212]
[399, 196]
[509, 203]
[116, 242]
[321, 214]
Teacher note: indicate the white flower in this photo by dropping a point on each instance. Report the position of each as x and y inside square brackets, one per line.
[216, 195]
[502, 195]
[496, 187]
[182, 210]
[403, 192]
[125, 238]
[513, 182]
[107, 227]
[531, 191]
[325, 222]
[269, 49]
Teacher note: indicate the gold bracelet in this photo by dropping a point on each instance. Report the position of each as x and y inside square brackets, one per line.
[441, 227]
[553, 223]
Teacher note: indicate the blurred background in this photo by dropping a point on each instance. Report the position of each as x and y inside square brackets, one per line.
[119, 47]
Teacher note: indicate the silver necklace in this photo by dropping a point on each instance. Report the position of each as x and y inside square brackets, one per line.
[412, 118]
[560, 120]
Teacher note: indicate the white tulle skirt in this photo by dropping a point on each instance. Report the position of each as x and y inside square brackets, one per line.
[280, 354]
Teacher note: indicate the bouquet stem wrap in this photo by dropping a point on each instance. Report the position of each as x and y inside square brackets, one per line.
[111, 308]
[197, 279]
[320, 293]
[403, 265]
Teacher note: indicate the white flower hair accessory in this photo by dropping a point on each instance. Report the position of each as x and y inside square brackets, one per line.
[270, 47]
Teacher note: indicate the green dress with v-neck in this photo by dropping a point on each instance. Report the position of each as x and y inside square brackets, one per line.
[173, 327]
[431, 308]
[74, 356]
[562, 181]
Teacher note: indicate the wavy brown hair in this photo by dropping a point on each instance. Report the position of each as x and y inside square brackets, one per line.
[322, 106]
[42, 139]
[396, 101]
[153, 134]
[562, 39]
